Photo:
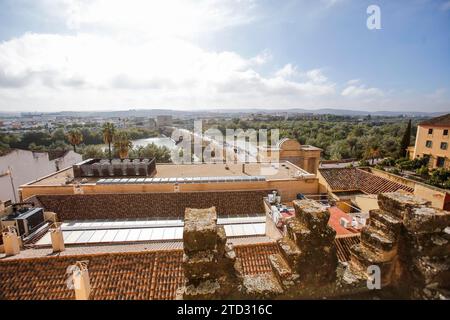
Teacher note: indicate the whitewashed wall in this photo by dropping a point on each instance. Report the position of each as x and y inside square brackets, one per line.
[27, 166]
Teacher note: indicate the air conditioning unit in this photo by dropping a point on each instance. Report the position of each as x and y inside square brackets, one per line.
[344, 222]
[25, 221]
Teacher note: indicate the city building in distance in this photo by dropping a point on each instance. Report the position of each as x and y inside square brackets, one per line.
[432, 142]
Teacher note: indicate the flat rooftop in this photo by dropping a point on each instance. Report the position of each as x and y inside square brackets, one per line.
[282, 171]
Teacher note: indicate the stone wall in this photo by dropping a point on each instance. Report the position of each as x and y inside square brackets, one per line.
[209, 263]
[410, 242]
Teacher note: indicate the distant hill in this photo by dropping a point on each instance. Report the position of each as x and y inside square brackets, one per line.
[211, 113]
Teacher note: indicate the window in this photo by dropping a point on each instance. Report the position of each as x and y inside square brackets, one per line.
[429, 144]
[440, 162]
[430, 131]
[445, 132]
[444, 145]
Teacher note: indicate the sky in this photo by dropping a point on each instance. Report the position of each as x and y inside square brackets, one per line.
[84, 55]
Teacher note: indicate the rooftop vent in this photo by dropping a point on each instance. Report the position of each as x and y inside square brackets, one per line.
[80, 277]
[24, 219]
[57, 237]
[11, 241]
[115, 168]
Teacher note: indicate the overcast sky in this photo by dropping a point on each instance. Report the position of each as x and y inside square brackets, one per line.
[119, 54]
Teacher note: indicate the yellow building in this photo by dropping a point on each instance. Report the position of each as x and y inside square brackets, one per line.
[432, 141]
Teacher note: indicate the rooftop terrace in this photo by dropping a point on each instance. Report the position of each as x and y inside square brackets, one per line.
[284, 171]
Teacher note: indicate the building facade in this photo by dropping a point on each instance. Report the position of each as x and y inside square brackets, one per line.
[432, 142]
[22, 166]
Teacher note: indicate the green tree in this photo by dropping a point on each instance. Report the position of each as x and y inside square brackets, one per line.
[108, 136]
[75, 137]
[93, 152]
[122, 144]
[406, 140]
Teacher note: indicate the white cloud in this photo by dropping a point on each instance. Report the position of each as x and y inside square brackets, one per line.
[355, 90]
[154, 73]
[287, 71]
[316, 76]
[181, 18]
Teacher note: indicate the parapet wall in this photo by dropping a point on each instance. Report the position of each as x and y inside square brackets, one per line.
[406, 240]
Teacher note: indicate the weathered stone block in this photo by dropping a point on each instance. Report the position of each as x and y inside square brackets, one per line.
[428, 244]
[261, 286]
[377, 239]
[282, 271]
[305, 238]
[319, 266]
[290, 251]
[385, 221]
[432, 270]
[362, 259]
[426, 220]
[398, 203]
[311, 213]
[200, 229]
[206, 290]
[200, 265]
[221, 240]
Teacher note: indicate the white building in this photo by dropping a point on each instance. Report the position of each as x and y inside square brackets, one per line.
[22, 166]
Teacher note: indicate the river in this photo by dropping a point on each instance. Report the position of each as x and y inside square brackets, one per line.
[160, 142]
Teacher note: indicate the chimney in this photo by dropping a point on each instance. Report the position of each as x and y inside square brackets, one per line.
[50, 216]
[81, 281]
[57, 237]
[11, 241]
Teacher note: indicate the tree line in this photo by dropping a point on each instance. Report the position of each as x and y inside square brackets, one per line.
[88, 142]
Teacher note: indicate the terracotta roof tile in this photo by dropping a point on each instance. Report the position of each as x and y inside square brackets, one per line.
[142, 205]
[343, 245]
[138, 275]
[346, 179]
[441, 121]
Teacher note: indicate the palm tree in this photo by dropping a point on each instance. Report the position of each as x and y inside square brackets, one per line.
[122, 144]
[108, 135]
[75, 137]
[373, 153]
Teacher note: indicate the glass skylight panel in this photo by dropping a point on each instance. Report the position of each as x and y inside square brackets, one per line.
[169, 234]
[121, 235]
[66, 235]
[260, 228]
[157, 234]
[74, 236]
[97, 236]
[178, 233]
[85, 236]
[249, 229]
[145, 235]
[134, 235]
[238, 230]
[110, 235]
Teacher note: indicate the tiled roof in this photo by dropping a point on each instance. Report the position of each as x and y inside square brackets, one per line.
[343, 245]
[256, 257]
[141, 275]
[443, 121]
[138, 275]
[143, 205]
[346, 179]
[335, 216]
